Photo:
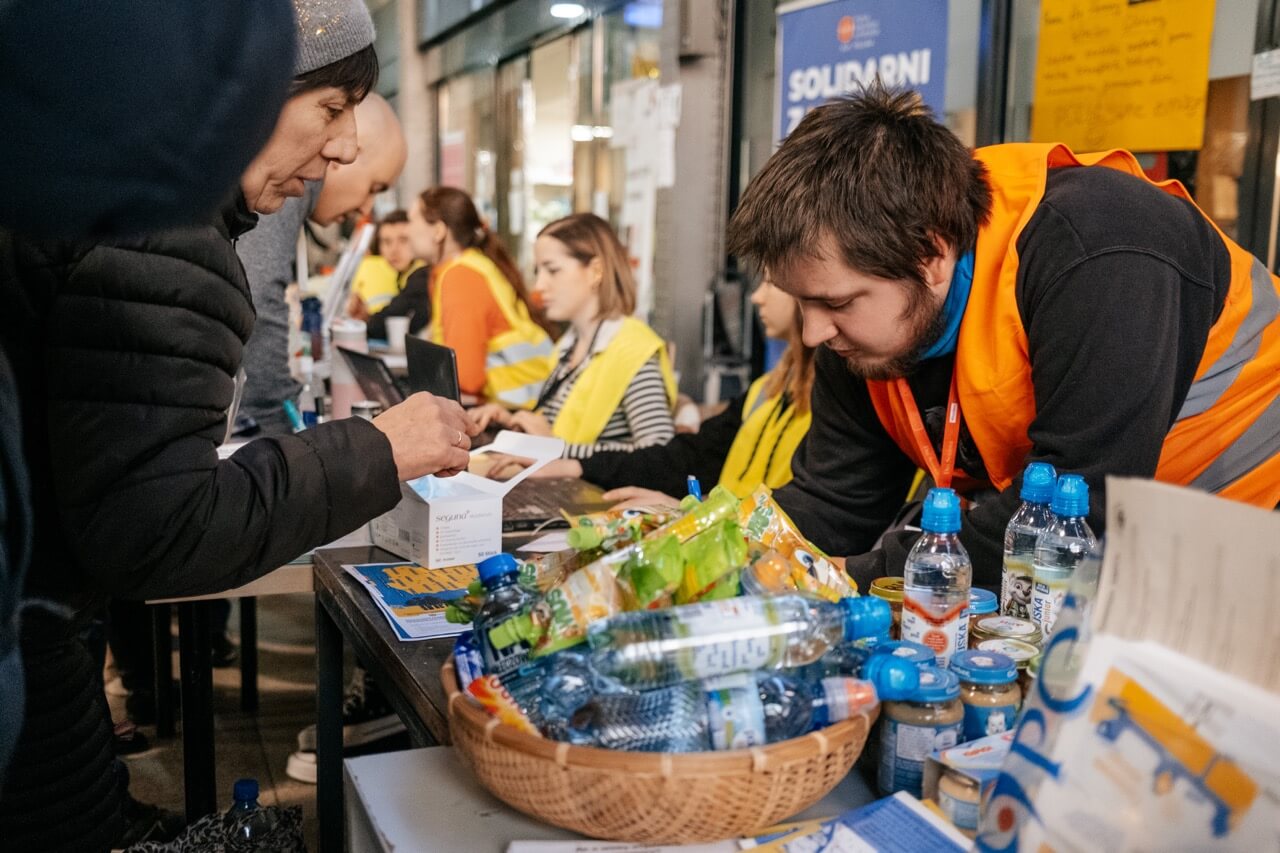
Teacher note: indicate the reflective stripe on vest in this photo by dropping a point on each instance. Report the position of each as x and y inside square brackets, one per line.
[518, 360]
[1226, 438]
[600, 388]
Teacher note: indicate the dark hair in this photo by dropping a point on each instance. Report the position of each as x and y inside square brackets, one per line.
[457, 211]
[874, 173]
[356, 75]
[395, 217]
[586, 236]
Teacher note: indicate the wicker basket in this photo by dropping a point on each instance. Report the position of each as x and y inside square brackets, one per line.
[656, 798]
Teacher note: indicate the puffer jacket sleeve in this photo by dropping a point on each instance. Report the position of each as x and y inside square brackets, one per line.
[144, 345]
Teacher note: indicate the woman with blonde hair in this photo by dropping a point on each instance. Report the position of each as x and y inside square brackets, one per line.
[749, 444]
[479, 305]
[611, 387]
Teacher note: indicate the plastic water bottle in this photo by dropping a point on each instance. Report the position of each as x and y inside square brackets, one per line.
[935, 592]
[1060, 549]
[307, 397]
[644, 649]
[247, 825]
[1031, 519]
[733, 712]
[503, 647]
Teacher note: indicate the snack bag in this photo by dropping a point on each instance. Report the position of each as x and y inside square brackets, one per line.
[600, 533]
[652, 574]
[765, 523]
[541, 572]
[710, 556]
[702, 515]
[560, 619]
[495, 695]
[462, 610]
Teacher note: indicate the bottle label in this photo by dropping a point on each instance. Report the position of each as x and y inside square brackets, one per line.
[758, 640]
[903, 750]
[1016, 587]
[735, 713]
[1046, 603]
[982, 720]
[962, 813]
[941, 632]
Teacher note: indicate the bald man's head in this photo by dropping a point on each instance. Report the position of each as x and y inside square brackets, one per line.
[349, 190]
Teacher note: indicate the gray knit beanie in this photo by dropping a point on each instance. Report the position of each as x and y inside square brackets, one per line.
[330, 30]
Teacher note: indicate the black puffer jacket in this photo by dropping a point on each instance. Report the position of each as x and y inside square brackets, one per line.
[125, 356]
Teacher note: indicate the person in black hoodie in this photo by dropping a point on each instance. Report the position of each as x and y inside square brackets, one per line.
[125, 354]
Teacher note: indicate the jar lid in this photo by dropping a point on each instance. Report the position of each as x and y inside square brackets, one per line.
[982, 601]
[1021, 652]
[890, 589]
[914, 652]
[1008, 628]
[936, 685]
[981, 666]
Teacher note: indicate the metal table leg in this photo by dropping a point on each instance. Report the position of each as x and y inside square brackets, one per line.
[197, 709]
[162, 651]
[329, 731]
[249, 655]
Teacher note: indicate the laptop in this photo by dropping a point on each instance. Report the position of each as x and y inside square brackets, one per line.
[432, 368]
[375, 378]
[537, 504]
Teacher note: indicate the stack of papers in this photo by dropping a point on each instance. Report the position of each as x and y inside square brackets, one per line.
[900, 822]
[413, 598]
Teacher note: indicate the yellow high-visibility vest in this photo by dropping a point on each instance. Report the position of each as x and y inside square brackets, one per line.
[761, 452]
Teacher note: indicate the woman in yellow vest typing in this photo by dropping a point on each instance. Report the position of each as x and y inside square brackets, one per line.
[611, 387]
[748, 444]
[479, 306]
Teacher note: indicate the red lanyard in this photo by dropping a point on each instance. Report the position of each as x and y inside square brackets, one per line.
[941, 472]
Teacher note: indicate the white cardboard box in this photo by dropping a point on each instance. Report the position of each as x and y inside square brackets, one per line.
[458, 520]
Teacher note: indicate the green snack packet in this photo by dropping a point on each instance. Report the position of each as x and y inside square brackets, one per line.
[728, 586]
[710, 556]
[463, 610]
[653, 572]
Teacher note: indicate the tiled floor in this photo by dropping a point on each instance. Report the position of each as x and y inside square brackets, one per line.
[255, 746]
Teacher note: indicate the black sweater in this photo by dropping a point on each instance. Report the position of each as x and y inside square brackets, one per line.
[1118, 286]
[666, 467]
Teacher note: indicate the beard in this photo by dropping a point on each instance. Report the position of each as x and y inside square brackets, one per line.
[927, 322]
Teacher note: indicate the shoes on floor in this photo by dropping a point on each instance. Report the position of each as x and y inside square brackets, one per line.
[128, 740]
[366, 718]
[223, 652]
[144, 822]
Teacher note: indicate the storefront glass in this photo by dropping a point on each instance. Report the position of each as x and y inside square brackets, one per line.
[466, 158]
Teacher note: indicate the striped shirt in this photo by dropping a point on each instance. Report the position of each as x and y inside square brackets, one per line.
[642, 419]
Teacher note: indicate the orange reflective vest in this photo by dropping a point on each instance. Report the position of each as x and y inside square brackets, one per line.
[1226, 438]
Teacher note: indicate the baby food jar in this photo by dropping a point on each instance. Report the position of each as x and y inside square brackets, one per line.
[958, 797]
[911, 729]
[982, 603]
[988, 690]
[1022, 654]
[1004, 628]
[890, 590]
[917, 653]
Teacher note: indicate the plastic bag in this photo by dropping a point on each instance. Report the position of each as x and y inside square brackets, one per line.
[765, 523]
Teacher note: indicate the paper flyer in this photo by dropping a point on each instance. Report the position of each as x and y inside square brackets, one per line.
[900, 822]
[413, 598]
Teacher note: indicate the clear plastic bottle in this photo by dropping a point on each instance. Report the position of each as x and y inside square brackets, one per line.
[734, 712]
[1060, 549]
[654, 648]
[248, 827]
[307, 397]
[936, 580]
[1031, 519]
[503, 647]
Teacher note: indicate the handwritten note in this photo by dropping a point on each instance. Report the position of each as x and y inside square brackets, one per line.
[1122, 74]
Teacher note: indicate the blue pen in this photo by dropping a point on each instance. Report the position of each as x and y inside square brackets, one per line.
[695, 488]
[295, 419]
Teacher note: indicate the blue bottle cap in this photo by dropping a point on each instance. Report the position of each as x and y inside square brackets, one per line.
[983, 667]
[496, 567]
[941, 511]
[1071, 497]
[1038, 482]
[982, 602]
[865, 616]
[245, 790]
[917, 653]
[936, 685]
[895, 679]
